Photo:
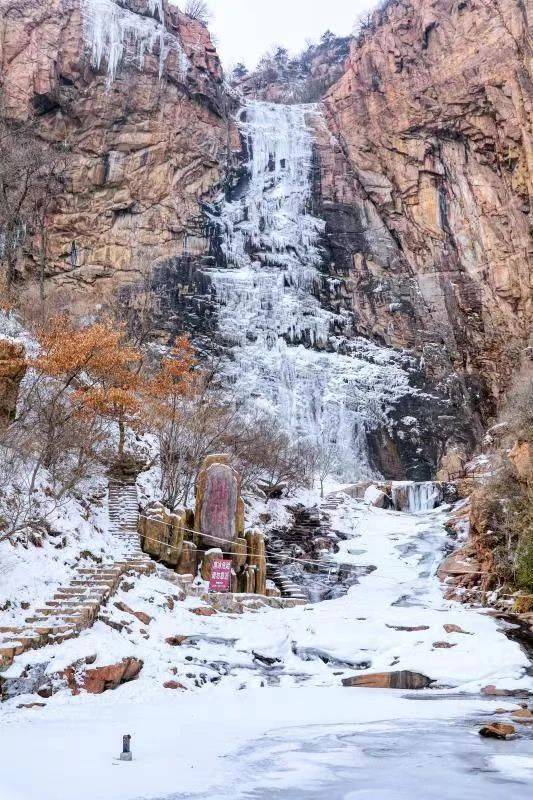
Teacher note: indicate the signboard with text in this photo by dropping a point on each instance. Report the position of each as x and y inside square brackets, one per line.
[220, 576]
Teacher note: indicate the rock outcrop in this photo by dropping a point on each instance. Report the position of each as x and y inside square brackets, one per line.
[427, 191]
[303, 79]
[521, 457]
[390, 680]
[216, 531]
[134, 91]
[12, 371]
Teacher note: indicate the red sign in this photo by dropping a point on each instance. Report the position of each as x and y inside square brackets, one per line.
[220, 576]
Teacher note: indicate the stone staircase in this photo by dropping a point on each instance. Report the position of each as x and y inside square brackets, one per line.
[332, 502]
[124, 512]
[76, 606]
[277, 557]
[289, 550]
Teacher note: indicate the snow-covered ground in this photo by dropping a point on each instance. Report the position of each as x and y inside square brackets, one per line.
[79, 534]
[265, 714]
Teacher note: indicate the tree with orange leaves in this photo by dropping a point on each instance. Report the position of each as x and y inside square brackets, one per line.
[99, 371]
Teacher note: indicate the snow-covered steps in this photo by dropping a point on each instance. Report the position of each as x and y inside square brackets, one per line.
[72, 609]
[299, 557]
[124, 509]
[76, 606]
[333, 501]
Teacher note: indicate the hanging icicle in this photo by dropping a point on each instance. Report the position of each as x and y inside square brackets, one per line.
[117, 36]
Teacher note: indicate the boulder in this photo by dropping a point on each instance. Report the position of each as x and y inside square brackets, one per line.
[390, 680]
[272, 590]
[203, 611]
[217, 496]
[498, 730]
[102, 679]
[176, 641]
[257, 558]
[247, 580]
[174, 685]
[240, 553]
[174, 537]
[493, 691]
[208, 560]
[153, 534]
[456, 629]
[523, 715]
[459, 564]
[145, 619]
[376, 497]
[188, 560]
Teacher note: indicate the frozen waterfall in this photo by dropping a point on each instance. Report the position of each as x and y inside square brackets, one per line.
[415, 498]
[320, 386]
[116, 35]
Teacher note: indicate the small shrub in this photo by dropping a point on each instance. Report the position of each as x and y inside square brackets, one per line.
[523, 522]
[198, 10]
[524, 605]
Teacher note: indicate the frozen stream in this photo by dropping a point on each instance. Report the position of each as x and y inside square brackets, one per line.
[385, 761]
[266, 715]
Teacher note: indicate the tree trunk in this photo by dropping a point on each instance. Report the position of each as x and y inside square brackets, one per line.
[42, 263]
[121, 439]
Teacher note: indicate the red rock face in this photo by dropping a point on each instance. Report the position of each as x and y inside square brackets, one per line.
[433, 126]
[12, 371]
[145, 147]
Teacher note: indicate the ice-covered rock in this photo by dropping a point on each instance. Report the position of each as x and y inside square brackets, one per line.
[116, 35]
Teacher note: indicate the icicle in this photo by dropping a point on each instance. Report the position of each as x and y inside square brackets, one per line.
[116, 35]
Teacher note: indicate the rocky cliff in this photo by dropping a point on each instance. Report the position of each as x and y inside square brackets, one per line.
[134, 91]
[427, 187]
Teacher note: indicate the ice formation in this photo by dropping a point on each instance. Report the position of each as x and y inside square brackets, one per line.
[416, 497]
[284, 354]
[116, 35]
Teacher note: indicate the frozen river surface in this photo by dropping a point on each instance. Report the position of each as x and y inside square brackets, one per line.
[430, 761]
